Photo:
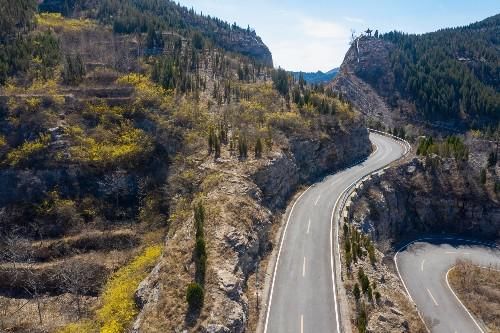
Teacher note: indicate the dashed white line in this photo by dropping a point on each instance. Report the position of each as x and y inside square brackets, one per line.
[308, 226]
[422, 265]
[317, 200]
[301, 323]
[304, 267]
[433, 299]
[450, 252]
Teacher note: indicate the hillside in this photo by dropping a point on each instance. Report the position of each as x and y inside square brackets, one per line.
[318, 77]
[131, 17]
[146, 154]
[448, 78]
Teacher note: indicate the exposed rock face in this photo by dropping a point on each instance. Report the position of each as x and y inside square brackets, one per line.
[308, 159]
[426, 196]
[240, 230]
[250, 45]
[365, 79]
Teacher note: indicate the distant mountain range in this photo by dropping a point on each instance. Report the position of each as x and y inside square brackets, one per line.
[318, 77]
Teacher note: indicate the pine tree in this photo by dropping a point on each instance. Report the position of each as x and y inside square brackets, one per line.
[258, 148]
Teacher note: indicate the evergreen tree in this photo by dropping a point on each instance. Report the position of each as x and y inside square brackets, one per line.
[258, 148]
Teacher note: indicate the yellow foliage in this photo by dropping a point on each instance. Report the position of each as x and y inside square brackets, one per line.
[58, 22]
[27, 149]
[33, 103]
[286, 121]
[38, 87]
[3, 141]
[146, 90]
[119, 309]
[123, 143]
[54, 203]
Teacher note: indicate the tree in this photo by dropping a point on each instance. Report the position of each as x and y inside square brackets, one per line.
[482, 176]
[15, 16]
[77, 279]
[74, 70]
[356, 292]
[281, 81]
[115, 184]
[492, 159]
[154, 40]
[362, 320]
[197, 40]
[242, 146]
[258, 148]
[194, 296]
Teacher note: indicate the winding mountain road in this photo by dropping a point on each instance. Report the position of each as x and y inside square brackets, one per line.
[303, 292]
[424, 265]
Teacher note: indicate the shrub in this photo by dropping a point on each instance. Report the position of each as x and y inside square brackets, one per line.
[356, 292]
[119, 308]
[194, 296]
[27, 150]
[58, 22]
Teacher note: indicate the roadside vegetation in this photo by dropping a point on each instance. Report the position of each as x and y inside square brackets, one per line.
[479, 289]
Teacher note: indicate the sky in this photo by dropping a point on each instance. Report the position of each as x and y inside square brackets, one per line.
[314, 35]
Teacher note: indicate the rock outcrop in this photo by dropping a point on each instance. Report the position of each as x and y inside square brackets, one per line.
[307, 160]
[427, 196]
[241, 210]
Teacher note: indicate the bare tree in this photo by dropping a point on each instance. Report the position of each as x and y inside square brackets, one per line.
[76, 278]
[115, 184]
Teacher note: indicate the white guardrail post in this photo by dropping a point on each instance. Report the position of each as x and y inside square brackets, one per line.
[347, 192]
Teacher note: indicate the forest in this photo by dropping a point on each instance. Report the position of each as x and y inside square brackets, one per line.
[451, 73]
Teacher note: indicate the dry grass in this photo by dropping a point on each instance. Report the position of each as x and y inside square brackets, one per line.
[19, 314]
[479, 290]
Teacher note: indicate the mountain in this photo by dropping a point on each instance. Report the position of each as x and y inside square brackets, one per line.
[448, 78]
[318, 77]
[145, 153]
[130, 16]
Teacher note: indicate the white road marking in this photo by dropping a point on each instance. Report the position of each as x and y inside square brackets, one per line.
[304, 267]
[422, 265]
[316, 202]
[450, 252]
[308, 226]
[433, 299]
[301, 323]
[278, 259]
[466, 253]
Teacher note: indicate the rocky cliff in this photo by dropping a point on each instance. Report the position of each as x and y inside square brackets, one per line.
[243, 211]
[427, 196]
[307, 159]
[365, 79]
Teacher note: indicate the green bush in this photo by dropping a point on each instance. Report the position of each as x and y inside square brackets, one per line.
[194, 296]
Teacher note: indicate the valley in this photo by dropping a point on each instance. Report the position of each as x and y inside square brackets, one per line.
[160, 172]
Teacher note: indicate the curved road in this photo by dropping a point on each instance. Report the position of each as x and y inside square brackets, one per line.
[423, 266]
[303, 296]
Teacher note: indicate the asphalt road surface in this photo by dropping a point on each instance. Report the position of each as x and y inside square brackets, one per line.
[303, 293]
[423, 267]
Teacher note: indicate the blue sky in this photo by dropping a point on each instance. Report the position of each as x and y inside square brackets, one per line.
[314, 35]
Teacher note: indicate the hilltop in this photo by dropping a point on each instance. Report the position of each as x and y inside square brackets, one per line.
[447, 79]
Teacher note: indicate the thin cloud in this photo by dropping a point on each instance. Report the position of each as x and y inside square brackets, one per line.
[323, 29]
[354, 19]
